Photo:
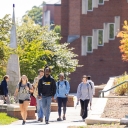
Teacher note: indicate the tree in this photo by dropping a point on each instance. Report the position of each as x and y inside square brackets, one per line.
[30, 56]
[36, 13]
[124, 41]
[41, 49]
[28, 31]
[5, 27]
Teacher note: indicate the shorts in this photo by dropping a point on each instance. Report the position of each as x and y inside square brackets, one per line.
[22, 101]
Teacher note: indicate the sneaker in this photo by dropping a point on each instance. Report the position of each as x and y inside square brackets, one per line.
[64, 118]
[59, 119]
[41, 119]
[38, 119]
[46, 122]
[23, 123]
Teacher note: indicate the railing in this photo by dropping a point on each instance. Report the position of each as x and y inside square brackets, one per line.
[103, 91]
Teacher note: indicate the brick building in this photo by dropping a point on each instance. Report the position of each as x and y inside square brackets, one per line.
[91, 26]
[52, 13]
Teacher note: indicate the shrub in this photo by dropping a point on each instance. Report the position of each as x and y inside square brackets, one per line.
[122, 89]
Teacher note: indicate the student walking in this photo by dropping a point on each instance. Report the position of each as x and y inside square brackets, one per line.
[46, 90]
[35, 94]
[84, 95]
[4, 89]
[91, 84]
[62, 91]
[23, 90]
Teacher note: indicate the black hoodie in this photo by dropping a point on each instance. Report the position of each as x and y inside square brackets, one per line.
[46, 86]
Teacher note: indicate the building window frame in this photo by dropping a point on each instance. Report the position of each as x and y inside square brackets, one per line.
[102, 37]
[89, 51]
[91, 5]
[101, 3]
[110, 30]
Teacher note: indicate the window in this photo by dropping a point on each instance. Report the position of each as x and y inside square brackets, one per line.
[90, 5]
[89, 43]
[101, 1]
[111, 31]
[100, 37]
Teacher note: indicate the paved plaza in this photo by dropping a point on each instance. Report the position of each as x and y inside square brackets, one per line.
[72, 119]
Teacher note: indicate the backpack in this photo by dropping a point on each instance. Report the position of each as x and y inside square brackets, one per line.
[90, 84]
[64, 83]
[87, 83]
[28, 84]
[1, 90]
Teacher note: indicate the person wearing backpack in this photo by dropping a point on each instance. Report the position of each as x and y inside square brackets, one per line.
[23, 89]
[35, 94]
[91, 84]
[46, 90]
[84, 95]
[62, 91]
[4, 89]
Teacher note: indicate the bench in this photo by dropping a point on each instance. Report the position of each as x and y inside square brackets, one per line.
[70, 102]
[54, 107]
[13, 110]
[3, 108]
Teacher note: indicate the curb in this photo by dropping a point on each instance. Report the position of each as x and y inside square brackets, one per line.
[91, 121]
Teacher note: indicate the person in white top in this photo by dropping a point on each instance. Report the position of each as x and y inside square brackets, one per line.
[91, 84]
[84, 95]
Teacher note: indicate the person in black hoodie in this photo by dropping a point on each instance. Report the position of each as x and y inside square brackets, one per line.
[46, 90]
[4, 86]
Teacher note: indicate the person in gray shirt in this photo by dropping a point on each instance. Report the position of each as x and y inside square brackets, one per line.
[23, 90]
[84, 95]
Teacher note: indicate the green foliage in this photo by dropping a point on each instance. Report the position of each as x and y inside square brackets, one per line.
[5, 26]
[31, 58]
[57, 29]
[41, 49]
[122, 89]
[36, 13]
[62, 59]
[28, 31]
[5, 120]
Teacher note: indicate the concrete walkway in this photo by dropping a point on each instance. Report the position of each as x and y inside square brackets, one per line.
[72, 119]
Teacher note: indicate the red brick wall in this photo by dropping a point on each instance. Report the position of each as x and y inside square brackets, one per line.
[55, 13]
[74, 17]
[64, 19]
[106, 60]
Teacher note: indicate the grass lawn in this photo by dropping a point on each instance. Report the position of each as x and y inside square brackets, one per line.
[5, 120]
[100, 126]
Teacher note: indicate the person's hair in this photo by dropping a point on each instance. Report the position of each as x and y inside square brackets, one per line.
[47, 67]
[26, 79]
[6, 77]
[84, 76]
[89, 77]
[40, 70]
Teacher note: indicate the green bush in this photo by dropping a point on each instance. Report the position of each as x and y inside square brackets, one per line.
[122, 89]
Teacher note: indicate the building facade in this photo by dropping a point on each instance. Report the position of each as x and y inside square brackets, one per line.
[91, 26]
[52, 13]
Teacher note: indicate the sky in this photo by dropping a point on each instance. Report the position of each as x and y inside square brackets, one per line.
[21, 6]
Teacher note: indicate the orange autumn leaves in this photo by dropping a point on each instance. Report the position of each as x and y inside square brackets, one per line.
[124, 41]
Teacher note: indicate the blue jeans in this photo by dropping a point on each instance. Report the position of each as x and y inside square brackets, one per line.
[39, 108]
[46, 101]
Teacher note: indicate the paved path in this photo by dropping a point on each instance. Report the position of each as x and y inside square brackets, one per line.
[72, 119]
